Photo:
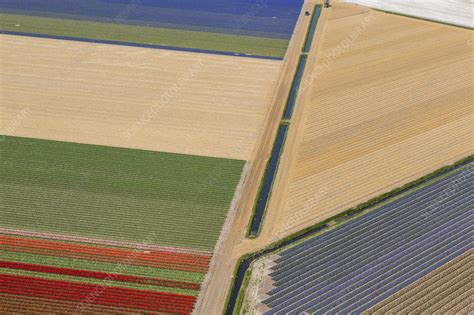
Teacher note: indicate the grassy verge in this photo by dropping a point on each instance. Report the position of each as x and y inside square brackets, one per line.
[249, 232]
[240, 298]
[144, 35]
[284, 121]
[329, 223]
[308, 31]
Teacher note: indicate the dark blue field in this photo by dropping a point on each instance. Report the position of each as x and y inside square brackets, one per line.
[360, 263]
[265, 18]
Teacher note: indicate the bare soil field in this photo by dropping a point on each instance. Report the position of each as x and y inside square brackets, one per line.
[131, 97]
[385, 100]
[457, 12]
[447, 290]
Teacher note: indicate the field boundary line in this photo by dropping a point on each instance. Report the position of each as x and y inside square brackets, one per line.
[131, 44]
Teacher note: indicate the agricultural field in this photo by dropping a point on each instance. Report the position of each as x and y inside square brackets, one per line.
[446, 290]
[115, 194]
[359, 263]
[142, 225]
[237, 26]
[386, 99]
[180, 102]
[456, 12]
[126, 135]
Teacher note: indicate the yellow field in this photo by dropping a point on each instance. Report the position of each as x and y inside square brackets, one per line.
[387, 100]
[446, 290]
[133, 97]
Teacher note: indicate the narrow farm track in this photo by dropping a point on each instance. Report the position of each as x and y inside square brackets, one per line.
[234, 243]
[431, 293]
[388, 99]
[359, 264]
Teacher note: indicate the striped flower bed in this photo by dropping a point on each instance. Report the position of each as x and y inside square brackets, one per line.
[57, 276]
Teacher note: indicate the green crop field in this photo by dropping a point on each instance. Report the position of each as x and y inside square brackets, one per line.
[92, 265]
[115, 194]
[144, 35]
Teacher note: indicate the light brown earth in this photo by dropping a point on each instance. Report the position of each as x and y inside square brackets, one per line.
[161, 100]
[446, 290]
[386, 100]
[391, 104]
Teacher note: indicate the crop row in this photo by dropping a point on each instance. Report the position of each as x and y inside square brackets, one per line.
[120, 297]
[422, 291]
[360, 263]
[122, 267]
[33, 305]
[324, 275]
[105, 251]
[127, 195]
[353, 244]
[366, 223]
[99, 275]
[175, 261]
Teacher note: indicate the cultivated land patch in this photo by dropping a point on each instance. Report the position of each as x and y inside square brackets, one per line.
[446, 290]
[248, 27]
[115, 194]
[388, 100]
[139, 226]
[158, 100]
[360, 263]
[251, 45]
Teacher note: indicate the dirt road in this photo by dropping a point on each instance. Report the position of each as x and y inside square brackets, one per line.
[215, 290]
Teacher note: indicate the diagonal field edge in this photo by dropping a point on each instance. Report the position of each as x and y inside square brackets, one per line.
[153, 46]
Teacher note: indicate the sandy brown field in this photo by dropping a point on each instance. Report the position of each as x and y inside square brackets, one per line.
[447, 290]
[387, 100]
[133, 97]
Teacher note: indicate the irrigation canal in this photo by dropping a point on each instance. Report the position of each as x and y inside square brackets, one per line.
[272, 164]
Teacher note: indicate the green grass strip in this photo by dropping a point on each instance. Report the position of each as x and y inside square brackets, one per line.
[89, 265]
[144, 35]
[241, 297]
[98, 282]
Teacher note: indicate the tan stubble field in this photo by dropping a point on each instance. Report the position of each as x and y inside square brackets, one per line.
[387, 99]
[160, 100]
